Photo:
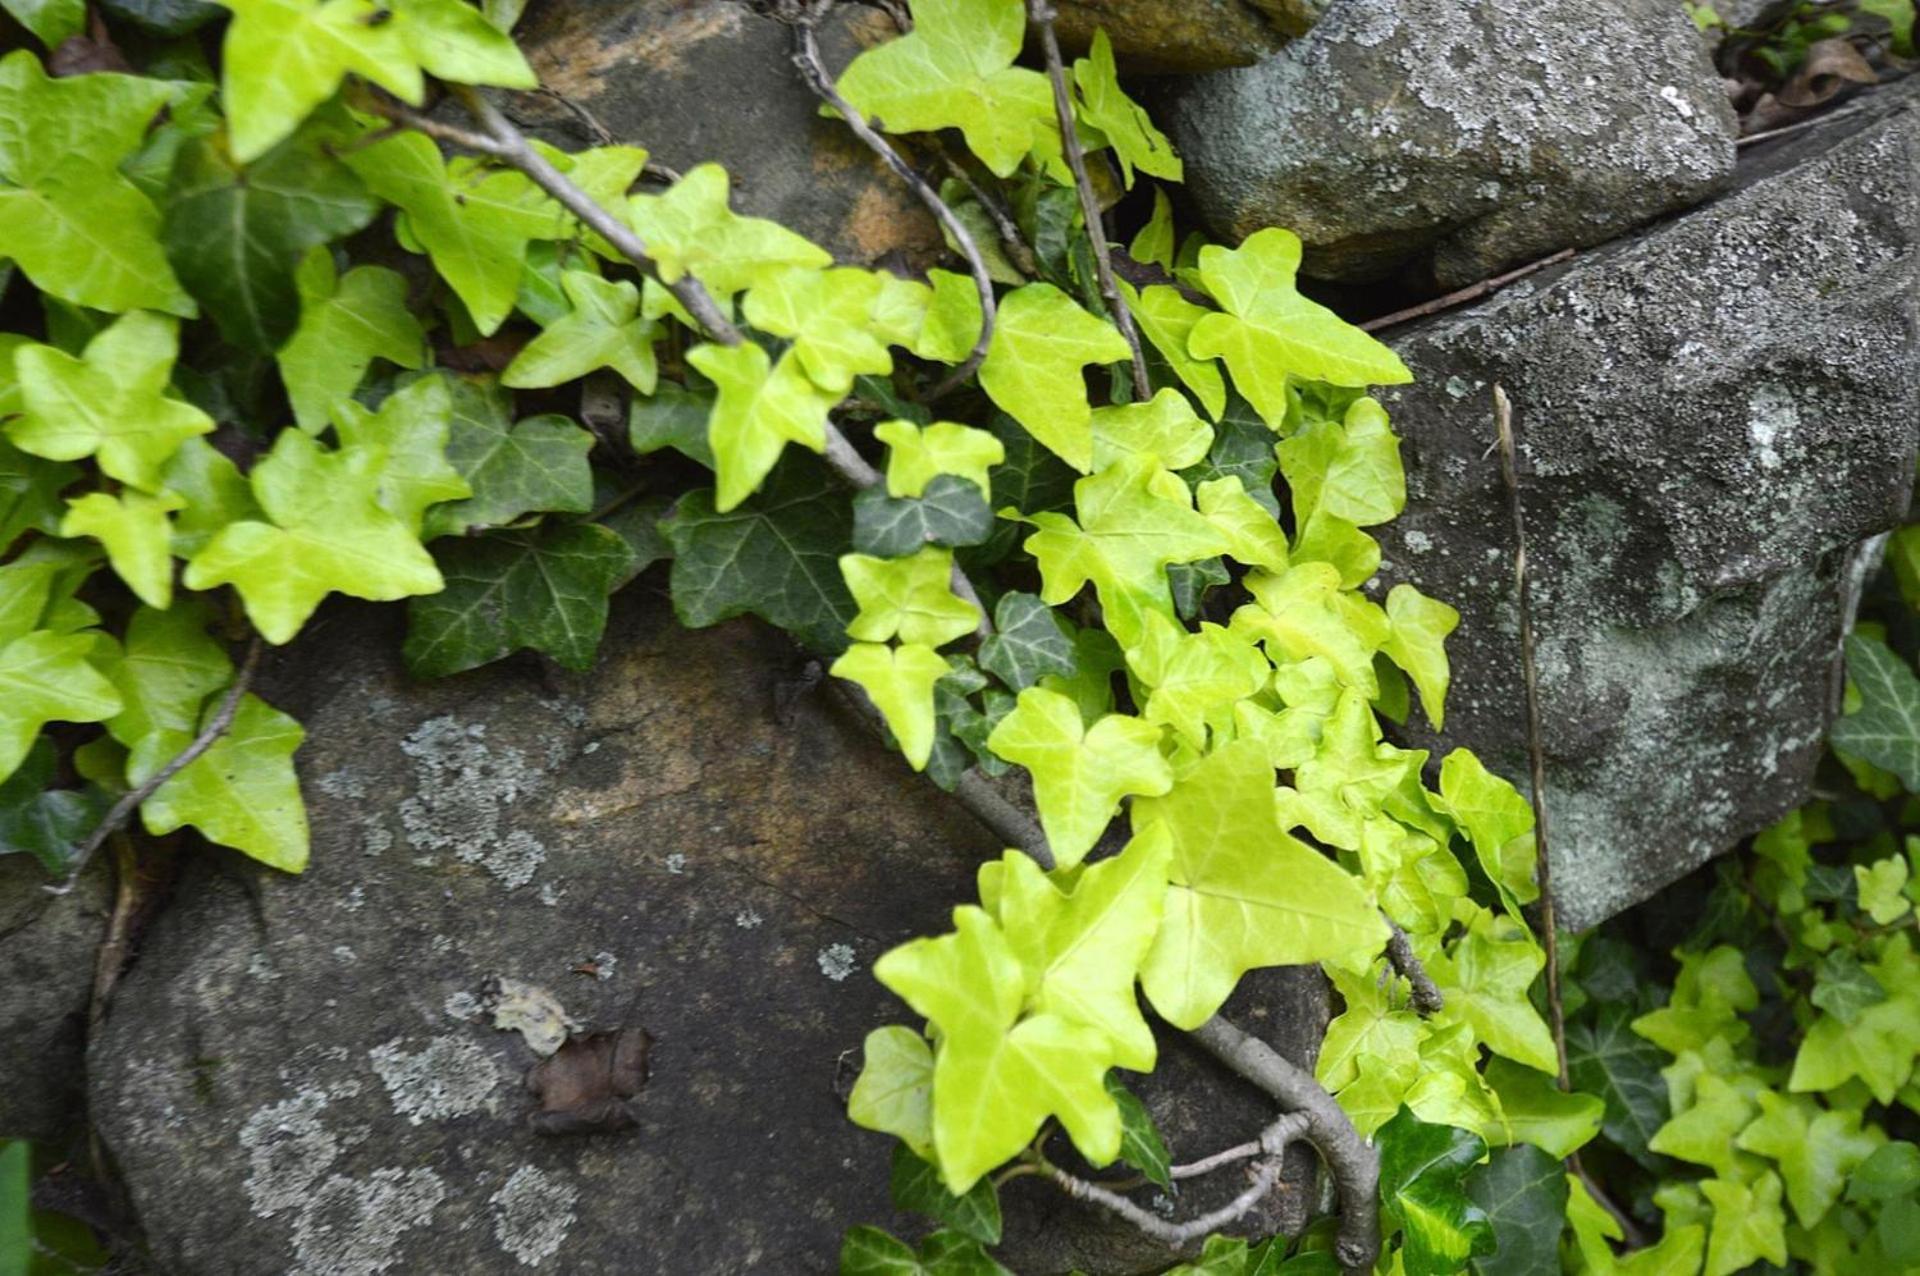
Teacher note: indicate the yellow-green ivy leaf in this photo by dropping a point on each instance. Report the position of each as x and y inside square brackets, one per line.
[1536, 1111]
[111, 403]
[1079, 773]
[916, 454]
[603, 330]
[1191, 676]
[1269, 332]
[1880, 886]
[1122, 123]
[894, 1093]
[346, 322]
[328, 533]
[1163, 427]
[910, 598]
[164, 671]
[1485, 978]
[1497, 820]
[1350, 469]
[690, 230]
[1168, 319]
[953, 321]
[1254, 539]
[134, 528]
[411, 428]
[216, 493]
[899, 681]
[1417, 642]
[242, 792]
[1371, 1030]
[955, 70]
[45, 677]
[1748, 1224]
[1041, 340]
[759, 411]
[1816, 1149]
[1302, 613]
[1244, 893]
[831, 317]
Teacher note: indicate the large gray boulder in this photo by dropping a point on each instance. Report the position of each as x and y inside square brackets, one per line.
[1711, 420]
[47, 948]
[1458, 136]
[300, 1074]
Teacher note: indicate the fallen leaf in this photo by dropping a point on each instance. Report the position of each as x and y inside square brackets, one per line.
[591, 1085]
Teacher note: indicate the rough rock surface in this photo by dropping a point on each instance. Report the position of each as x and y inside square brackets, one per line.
[296, 1077]
[1158, 36]
[698, 80]
[1711, 419]
[1460, 136]
[47, 944]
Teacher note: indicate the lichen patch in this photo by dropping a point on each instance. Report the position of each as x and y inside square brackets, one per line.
[448, 1077]
[532, 1213]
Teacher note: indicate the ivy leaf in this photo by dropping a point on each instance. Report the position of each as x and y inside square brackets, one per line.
[1164, 427]
[832, 317]
[29, 486]
[899, 681]
[894, 1092]
[73, 224]
[759, 411]
[111, 403]
[52, 22]
[1815, 1148]
[1748, 1224]
[1882, 1043]
[164, 672]
[45, 823]
[917, 455]
[1485, 978]
[1140, 1143]
[603, 330]
[996, 1075]
[216, 494]
[410, 430]
[514, 468]
[955, 70]
[1192, 675]
[544, 589]
[908, 598]
[1134, 519]
[1167, 320]
[1269, 332]
[1153, 243]
[1242, 449]
[952, 512]
[1887, 1175]
[1416, 641]
[1885, 730]
[1081, 948]
[1523, 1192]
[1244, 893]
[45, 677]
[1880, 889]
[953, 319]
[674, 417]
[241, 792]
[235, 235]
[1372, 1031]
[1350, 469]
[868, 1251]
[1031, 479]
[1027, 642]
[1302, 614]
[1079, 773]
[690, 230]
[915, 1185]
[346, 322]
[1843, 988]
[328, 532]
[1041, 339]
[1422, 1192]
[1105, 105]
[1606, 1058]
[1498, 821]
[777, 556]
[283, 58]
[1537, 1111]
[135, 530]
[1254, 538]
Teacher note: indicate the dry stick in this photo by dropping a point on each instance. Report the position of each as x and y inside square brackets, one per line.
[1272, 1146]
[1427, 998]
[112, 954]
[806, 56]
[1041, 14]
[216, 727]
[1463, 295]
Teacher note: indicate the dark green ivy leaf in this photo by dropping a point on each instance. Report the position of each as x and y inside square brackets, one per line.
[1140, 1143]
[514, 468]
[1606, 1058]
[1031, 479]
[868, 1251]
[1843, 987]
[1886, 729]
[672, 416]
[1027, 642]
[916, 1186]
[1524, 1192]
[545, 588]
[1242, 448]
[1191, 581]
[950, 512]
[776, 555]
[1891, 1172]
[45, 823]
[962, 727]
[235, 235]
[30, 489]
[163, 18]
[1423, 1172]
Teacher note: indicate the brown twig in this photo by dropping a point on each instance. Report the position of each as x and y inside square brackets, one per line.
[112, 955]
[800, 18]
[130, 801]
[1426, 995]
[1003, 224]
[1461, 296]
[1040, 13]
[1536, 753]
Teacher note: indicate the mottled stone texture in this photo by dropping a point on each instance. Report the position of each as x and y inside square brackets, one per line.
[1711, 419]
[1458, 137]
[294, 1077]
[1157, 36]
[699, 80]
[47, 943]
